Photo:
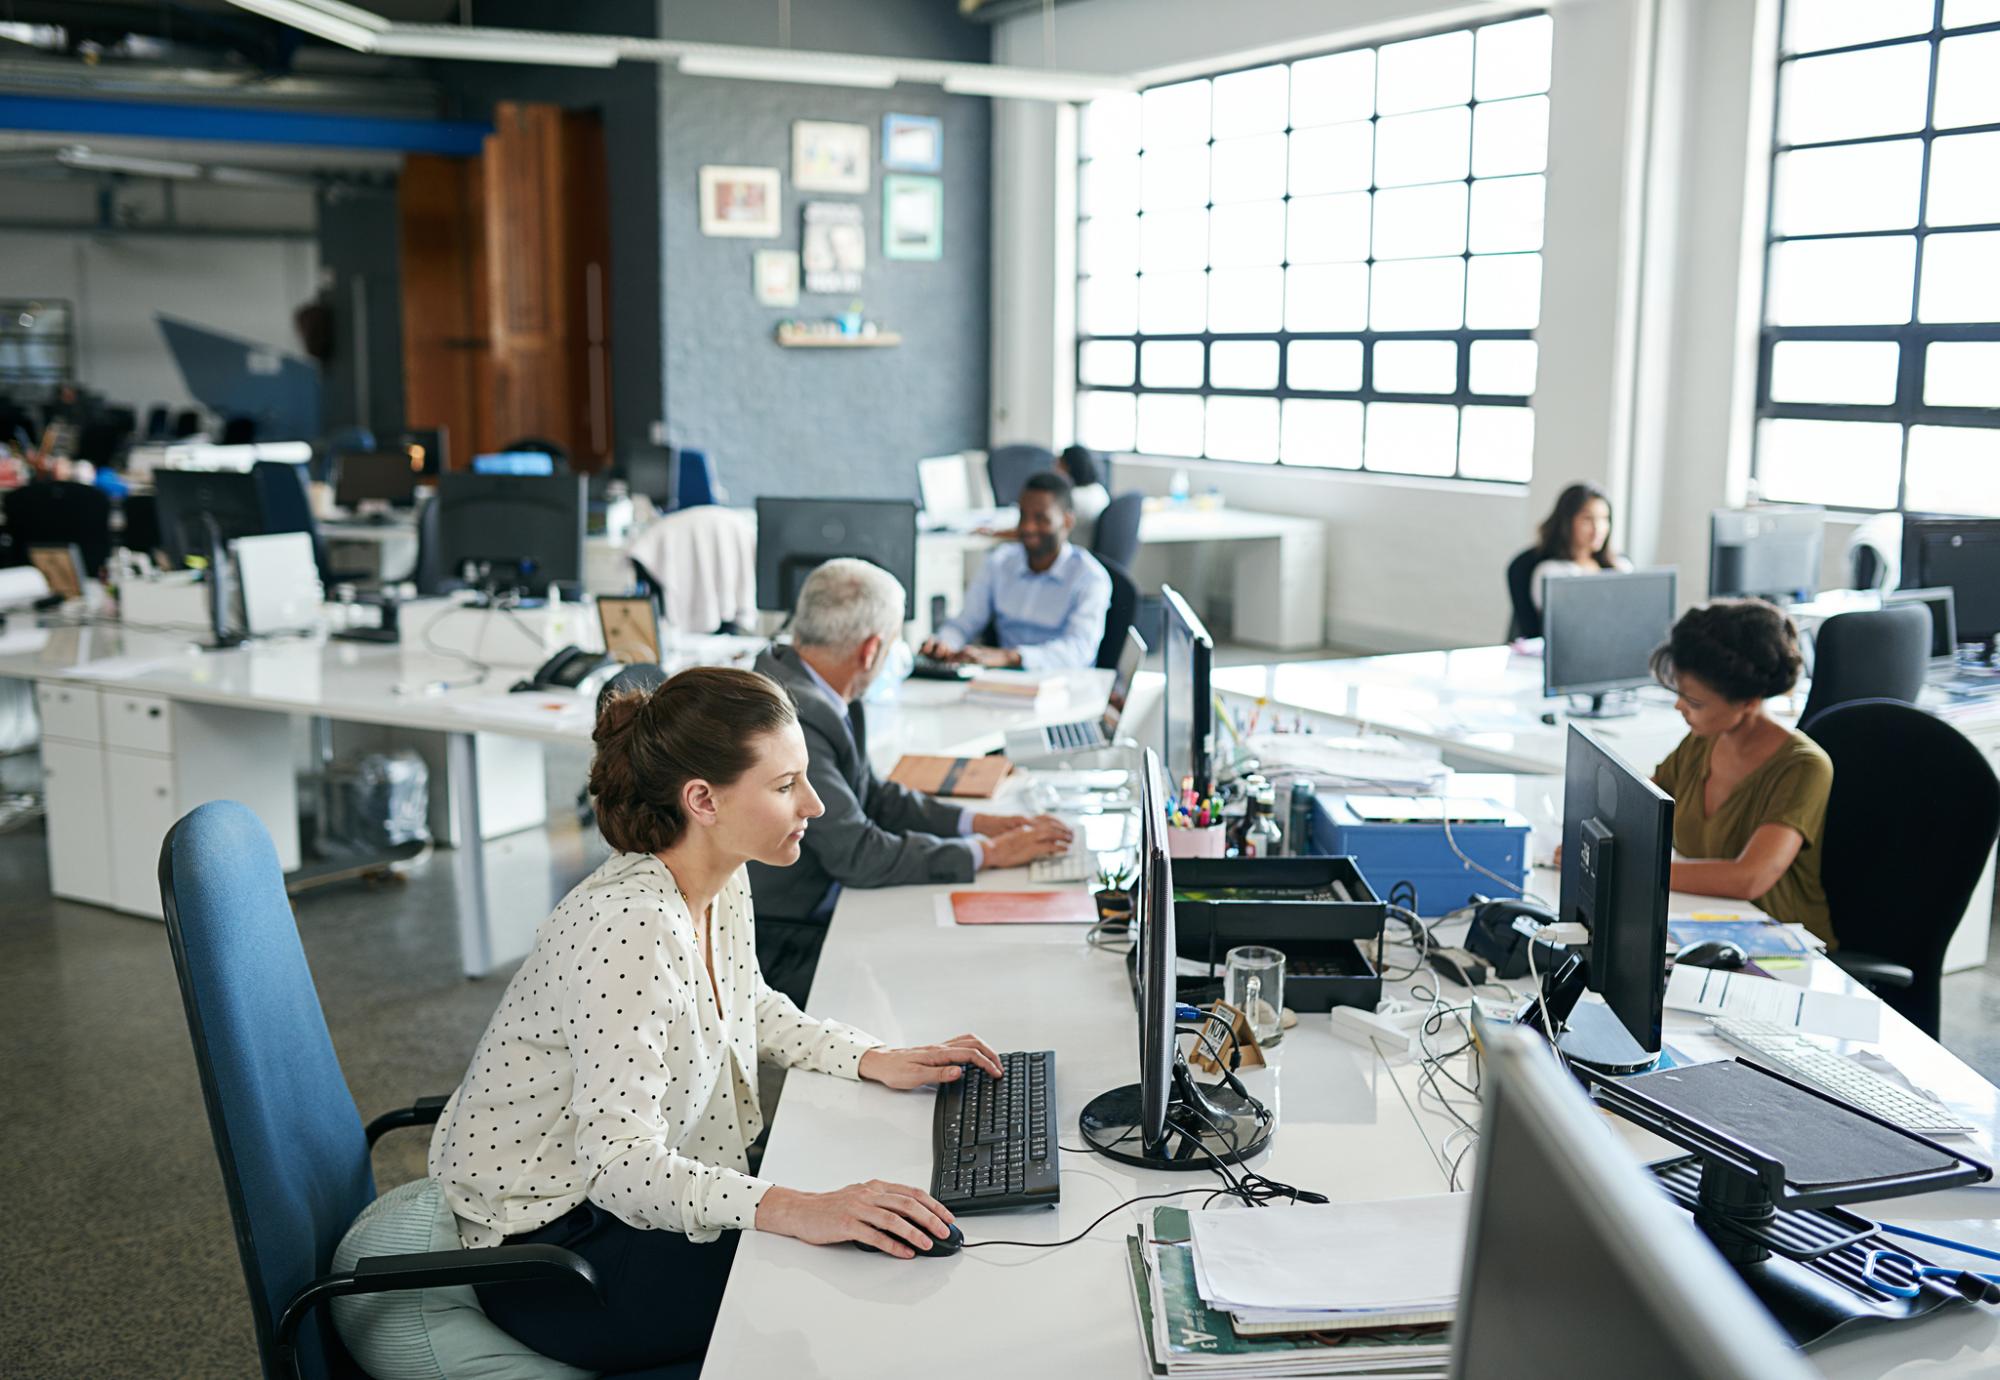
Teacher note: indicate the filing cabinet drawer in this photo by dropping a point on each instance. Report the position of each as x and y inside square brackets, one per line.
[68, 712]
[140, 723]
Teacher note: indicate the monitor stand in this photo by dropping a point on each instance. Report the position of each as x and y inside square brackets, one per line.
[1606, 704]
[1212, 1118]
[1594, 1038]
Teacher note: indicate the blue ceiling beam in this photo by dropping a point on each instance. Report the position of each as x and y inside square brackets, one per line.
[241, 125]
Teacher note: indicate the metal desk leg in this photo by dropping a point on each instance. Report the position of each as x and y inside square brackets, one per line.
[468, 860]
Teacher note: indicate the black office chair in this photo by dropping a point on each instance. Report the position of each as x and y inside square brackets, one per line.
[1118, 617]
[283, 494]
[239, 431]
[428, 574]
[53, 513]
[1008, 468]
[1117, 536]
[1527, 619]
[1913, 814]
[1880, 654]
[157, 424]
[186, 424]
[142, 524]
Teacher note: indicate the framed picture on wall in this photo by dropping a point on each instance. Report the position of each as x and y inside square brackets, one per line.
[912, 217]
[778, 277]
[739, 201]
[829, 157]
[912, 143]
[835, 247]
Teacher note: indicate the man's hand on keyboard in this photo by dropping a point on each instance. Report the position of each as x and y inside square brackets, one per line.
[991, 825]
[914, 1068]
[1036, 839]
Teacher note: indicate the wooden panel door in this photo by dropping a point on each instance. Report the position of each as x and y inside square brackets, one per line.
[446, 358]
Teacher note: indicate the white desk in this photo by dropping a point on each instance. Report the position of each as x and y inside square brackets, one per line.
[1349, 1126]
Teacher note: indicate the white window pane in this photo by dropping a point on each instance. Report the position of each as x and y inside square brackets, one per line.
[1170, 423]
[1105, 362]
[1961, 277]
[1170, 240]
[1173, 303]
[1170, 364]
[1326, 297]
[1241, 236]
[1328, 229]
[1432, 147]
[1104, 421]
[1334, 158]
[1172, 178]
[1243, 364]
[1110, 125]
[1175, 115]
[1246, 300]
[1109, 305]
[1252, 102]
[1325, 366]
[1954, 469]
[1243, 429]
[1503, 292]
[1841, 282]
[1967, 93]
[1250, 169]
[1507, 214]
[1965, 180]
[1424, 73]
[1110, 187]
[1418, 295]
[1108, 244]
[1416, 366]
[1510, 137]
[1814, 24]
[1497, 443]
[1962, 374]
[1420, 222]
[1328, 90]
[1850, 187]
[1504, 367]
[1412, 438]
[1324, 435]
[1513, 58]
[1853, 372]
[1847, 95]
[1959, 14]
[1847, 464]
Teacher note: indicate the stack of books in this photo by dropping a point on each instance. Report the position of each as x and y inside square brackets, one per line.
[1021, 688]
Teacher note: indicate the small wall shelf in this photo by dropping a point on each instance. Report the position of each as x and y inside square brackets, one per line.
[807, 340]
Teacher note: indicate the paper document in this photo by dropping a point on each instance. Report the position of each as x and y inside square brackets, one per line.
[1713, 992]
[1396, 1254]
[117, 668]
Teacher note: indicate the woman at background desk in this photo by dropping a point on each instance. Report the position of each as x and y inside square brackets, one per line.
[1576, 539]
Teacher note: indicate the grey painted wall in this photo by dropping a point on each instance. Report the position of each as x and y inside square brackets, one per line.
[358, 238]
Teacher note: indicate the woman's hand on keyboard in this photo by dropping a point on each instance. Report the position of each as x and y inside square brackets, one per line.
[926, 1064]
[1035, 839]
[895, 1218]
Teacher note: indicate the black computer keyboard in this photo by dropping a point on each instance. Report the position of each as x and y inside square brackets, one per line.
[993, 1141]
[926, 668]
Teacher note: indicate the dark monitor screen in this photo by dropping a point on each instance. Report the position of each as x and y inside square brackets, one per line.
[1765, 553]
[795, 536]
[1599, 631]
[185, 497]
[1942, 605]
[1153, 911]
[650, 471]
[375, 476]
[1963, 553]
[1188, 656]
[517, 530]
[522, 462]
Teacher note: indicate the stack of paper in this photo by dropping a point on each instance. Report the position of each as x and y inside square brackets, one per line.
[1017, 687]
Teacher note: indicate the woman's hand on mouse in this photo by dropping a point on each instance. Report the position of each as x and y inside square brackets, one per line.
[926, 1064]
[893, 1218]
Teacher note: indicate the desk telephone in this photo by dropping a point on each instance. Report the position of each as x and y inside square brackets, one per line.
[568, 669]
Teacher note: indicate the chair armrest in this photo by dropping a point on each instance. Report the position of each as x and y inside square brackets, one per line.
[381, 1274]
[423, 1112]
[1872, 971]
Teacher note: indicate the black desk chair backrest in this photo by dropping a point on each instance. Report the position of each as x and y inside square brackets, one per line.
[286, 498]
[1008, 468]
[59, 513]
[1527, 619]
[142, 524]
[1118, 616]
[428, 574]
[1880, 654]
[1910, 820]
[1117, 536]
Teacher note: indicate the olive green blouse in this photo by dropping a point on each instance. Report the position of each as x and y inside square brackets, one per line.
[1788, 788]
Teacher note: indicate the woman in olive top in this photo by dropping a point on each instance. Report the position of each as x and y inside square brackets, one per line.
[1749, 794]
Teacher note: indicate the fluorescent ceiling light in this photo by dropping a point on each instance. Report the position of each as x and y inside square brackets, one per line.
[1025, 83]
[336, 23]
[780, 68]
[79, 156]
[493, 45]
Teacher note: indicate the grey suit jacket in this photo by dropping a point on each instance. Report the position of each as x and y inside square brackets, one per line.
[874, 833]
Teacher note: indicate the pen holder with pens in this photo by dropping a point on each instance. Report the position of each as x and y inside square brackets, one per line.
[1200, 842]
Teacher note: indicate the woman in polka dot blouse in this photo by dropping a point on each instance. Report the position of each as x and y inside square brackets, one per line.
[612, 1100]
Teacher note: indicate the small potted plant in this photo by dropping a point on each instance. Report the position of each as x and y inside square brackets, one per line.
[1114, 895]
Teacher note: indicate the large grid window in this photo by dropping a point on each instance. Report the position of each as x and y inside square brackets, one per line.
[1334, 262]
[1879, 382]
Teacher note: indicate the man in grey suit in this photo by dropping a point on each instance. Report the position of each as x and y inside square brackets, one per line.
[874, 833]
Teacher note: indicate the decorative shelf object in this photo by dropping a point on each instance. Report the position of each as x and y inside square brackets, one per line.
[792, 338]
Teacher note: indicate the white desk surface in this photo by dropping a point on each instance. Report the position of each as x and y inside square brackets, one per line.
[1350, 1126]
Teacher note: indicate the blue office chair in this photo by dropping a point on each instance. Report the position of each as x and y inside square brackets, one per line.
[694, 479]
[1008, 468]
[293, 1152]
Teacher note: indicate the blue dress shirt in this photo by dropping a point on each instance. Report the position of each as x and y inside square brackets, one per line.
[1053, 618]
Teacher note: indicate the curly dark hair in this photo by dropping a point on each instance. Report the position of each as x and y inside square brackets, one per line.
[1745, 648]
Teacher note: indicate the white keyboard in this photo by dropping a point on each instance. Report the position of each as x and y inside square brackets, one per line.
[1801, 1057]
[1079, 864]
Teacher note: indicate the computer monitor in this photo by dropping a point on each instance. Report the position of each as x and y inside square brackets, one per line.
[1765, 553]
[512, 531]
[795, 536]
[1188, 656]
[1943, 608]
[1130, 656]
[1599, 632]
[650, 471]
[429, 449]
[1963, 553]
[376, 476]
[518, 462]
[1618, 830]
[1575, 1262]
[186, 499]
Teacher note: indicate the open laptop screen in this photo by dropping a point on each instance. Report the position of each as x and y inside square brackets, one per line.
[1129, 657]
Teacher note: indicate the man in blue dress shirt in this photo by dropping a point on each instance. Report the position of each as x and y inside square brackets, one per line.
[1043, 599]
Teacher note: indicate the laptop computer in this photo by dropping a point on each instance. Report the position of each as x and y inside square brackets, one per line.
[1082, 735]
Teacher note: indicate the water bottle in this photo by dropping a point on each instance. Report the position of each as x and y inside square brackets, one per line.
[1178, 486]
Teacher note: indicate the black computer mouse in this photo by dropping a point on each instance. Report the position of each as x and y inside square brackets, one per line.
[1713, 953]
[947, 1245]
